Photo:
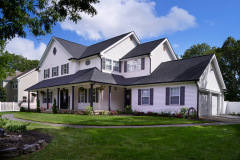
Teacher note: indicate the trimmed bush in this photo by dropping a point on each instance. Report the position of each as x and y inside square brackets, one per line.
[54, 108]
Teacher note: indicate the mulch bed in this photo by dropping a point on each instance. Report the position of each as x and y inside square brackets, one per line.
[16, 139]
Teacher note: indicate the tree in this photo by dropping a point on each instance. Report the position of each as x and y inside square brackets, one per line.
[38, 106]
[3, 94]
[39, 16]
[198, 50]
[229, 63]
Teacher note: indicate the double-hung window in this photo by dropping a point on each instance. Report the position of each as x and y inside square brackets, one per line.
[134, 65]
[49, 97]
[65, 69]
[15, 85]
[115, 66]
[108, 64]
[174, 95]
[145, 96]
[54, 71]
[46, 73]
[81, 95]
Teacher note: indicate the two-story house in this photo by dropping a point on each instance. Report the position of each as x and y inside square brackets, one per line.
[123, 71]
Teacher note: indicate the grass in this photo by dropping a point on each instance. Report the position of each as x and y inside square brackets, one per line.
[100, 120]
[172, 143]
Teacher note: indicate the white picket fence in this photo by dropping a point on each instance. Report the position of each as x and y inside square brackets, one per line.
[9, 106]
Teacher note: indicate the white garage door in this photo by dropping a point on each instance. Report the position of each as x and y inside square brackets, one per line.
[203, 104]
[214, 105]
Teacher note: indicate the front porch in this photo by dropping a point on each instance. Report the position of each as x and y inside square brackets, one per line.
[79, 96]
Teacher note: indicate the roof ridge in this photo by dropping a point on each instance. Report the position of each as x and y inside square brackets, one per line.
[153, 41]
[71, 41]
[190, 58]
[111, 38]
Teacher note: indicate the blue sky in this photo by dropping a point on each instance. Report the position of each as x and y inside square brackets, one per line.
[184, 22]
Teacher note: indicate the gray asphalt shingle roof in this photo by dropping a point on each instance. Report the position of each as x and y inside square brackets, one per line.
[79, 51]
[143, 49]
[172, 71]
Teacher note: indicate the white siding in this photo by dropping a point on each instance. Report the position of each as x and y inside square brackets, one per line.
[209, 79]
[158, 56]
[139, 73]
[52, 60]
[94, 62]
[159, 98]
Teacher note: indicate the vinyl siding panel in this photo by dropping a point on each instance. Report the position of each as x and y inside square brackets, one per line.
[94, 62]
[159, 98]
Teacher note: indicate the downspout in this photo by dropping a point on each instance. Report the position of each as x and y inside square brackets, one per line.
[197, 98]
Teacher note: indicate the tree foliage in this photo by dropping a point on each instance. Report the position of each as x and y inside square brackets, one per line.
[3, 94]
[229, 62]
[39, 16]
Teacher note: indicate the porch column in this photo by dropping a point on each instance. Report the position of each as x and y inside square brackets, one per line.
[37, 95]
[58, 89]
[209, 104]
[72, 97]
[47, 98]
[125, 97]
[28, 100]
[91, 95]
[109, 98]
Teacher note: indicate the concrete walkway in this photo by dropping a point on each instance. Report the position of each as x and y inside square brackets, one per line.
[10, 116]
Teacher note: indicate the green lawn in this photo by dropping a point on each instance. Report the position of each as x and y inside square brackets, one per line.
[188, 143]
[100, 120]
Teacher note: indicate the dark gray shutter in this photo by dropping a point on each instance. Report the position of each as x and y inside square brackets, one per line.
[97, 95]
[119, 68]
[51, 97]
[125, 66]
[139, 96]
[89, 95]
[151, 96]
[142, 63]
[67, 68]
[182, 95]
[57, 70]
[85, 95]
[52, 72]
[103, 63]
[167, 95]
[79, 96]
[48, 72]
[61, 69]
[44, 74]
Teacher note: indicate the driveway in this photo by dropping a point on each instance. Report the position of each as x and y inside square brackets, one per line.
[224, 118]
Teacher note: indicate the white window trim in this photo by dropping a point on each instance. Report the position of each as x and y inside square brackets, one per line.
[112, 62]
[54, 72]
[46, 73]
[81, 95]
[136, 67]
[65, 69]
[170, 102]
[145, 96]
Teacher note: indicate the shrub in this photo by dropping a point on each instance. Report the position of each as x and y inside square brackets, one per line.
[118, 112]
[3, 122]
[38, 106]
[104, 113]
[149, 113]
[233, 113]
[183, 111]
[238, 114]
[179, 115]
[22, 109]
[128, 109]
[17, 128]
[113, 113]
[54, 108]
[88, 110]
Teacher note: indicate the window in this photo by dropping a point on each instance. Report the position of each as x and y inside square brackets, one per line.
[46, 73]
[49, 97]
[134, 65]
[14, 98]
[145, 96]
[54, 71]
[24, 99]
[116, 66]
[65, 69]
[81, 94]
[95, 95]
[108, 64]
[174, 95]
[15, 85]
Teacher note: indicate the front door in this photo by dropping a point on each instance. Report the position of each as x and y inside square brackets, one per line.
[64, 99]
[128, 97]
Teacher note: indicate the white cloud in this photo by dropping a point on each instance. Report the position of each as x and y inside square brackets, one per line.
[175, 45]
[26, 48]
[121, 16]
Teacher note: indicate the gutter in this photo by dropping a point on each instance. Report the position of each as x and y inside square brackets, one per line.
[198, 92]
